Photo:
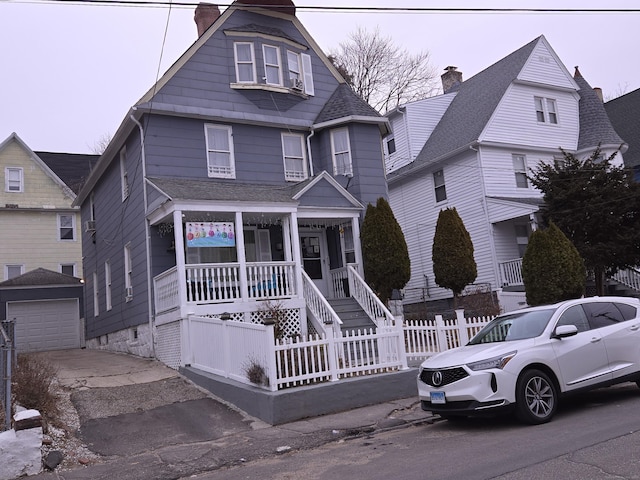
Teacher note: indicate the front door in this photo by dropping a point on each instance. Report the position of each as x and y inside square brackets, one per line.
[313, 247]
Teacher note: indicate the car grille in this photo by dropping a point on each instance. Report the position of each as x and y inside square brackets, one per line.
[449, 375]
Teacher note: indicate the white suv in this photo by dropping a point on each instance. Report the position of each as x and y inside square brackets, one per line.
[526, 359]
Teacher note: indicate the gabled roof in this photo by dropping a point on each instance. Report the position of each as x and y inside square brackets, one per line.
[40, 277]
[345, 105]
[624, 113]
[595, 126]
[72, 168]
[60, 174]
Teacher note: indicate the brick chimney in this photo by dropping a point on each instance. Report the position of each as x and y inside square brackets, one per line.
[206, 14]
[598, 91]
[284, 6]
[450, 78]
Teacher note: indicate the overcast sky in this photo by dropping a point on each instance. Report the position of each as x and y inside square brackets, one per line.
[70, 72]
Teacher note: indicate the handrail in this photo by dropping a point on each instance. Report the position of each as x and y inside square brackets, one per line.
[319, 306]
[629, 277]
[368, 300]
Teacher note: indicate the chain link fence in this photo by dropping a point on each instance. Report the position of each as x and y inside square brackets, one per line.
[7, 364]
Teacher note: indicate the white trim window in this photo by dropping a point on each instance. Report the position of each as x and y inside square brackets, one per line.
[293, 153]
[546, 110]
[341, 152]
[13, 271]
[245, 62]
[124, 176]
[520, 170]
[300, 72]
[439, 187]
[96, 296]
[107, 285]
[66, 227]
[13, 180]
[272, 69]
[68, 269]
[220, 157]
[128, 273]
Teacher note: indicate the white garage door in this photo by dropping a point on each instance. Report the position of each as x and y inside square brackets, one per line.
[46, 324]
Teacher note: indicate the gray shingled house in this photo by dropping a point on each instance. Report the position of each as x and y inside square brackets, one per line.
[473, 147]
[624, 113]
[232, 194]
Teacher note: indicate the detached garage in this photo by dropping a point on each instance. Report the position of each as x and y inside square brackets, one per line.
[47, 309]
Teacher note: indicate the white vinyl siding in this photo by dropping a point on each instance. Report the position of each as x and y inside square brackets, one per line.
[412, 205]
[245, 62]
[220, 157]
[293, 152]
[13, 180]
[543, 67]
[341, 152]
[514, 122]
[66, 227]
[498, 172]
[272, 68]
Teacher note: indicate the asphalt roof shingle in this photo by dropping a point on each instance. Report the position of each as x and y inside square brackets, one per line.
[41, 276]
[72, 168]
[344, 102]
[624, 113]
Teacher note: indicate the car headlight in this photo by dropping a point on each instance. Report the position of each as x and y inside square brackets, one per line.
[495, 362]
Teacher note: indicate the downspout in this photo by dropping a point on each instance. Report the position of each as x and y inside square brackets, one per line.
[147, 234]
[313, 132]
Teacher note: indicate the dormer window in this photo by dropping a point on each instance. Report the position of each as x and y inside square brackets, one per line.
[546, 111]
[272, 70]
[245, 62]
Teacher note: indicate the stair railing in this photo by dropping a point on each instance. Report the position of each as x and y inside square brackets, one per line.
[629, 277]
[323, 316]
[368, 300]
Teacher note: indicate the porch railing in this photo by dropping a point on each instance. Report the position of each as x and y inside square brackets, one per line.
[368, 300]
[629, 277]
[340, 281]
[511, 272]
[322, 316]
[220, 283]
[167, 293]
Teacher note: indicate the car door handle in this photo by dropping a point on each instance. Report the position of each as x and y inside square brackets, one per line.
[595, 339]
[634, 328]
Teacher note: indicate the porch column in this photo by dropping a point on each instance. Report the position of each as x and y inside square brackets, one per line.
[355, 226]
[242, 257]
[292, 244]
[178, 239]
[287, 233]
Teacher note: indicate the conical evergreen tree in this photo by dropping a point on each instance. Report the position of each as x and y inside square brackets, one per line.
[384, 250]
[552, 268]
[452, 255]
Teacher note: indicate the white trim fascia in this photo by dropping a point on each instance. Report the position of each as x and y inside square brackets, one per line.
[266, 36]
[521, 147]
[381, 121]
[330, 212]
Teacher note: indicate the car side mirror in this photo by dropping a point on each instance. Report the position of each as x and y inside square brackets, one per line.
[563, 331]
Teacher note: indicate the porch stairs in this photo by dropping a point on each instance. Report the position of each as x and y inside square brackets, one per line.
[353, 316]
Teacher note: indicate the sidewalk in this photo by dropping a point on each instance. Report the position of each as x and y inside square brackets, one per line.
[148, 422]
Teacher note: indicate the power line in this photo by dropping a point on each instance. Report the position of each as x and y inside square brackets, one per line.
[342, 8]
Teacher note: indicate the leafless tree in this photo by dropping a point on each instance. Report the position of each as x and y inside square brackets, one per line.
[101, 144]
[381, 72]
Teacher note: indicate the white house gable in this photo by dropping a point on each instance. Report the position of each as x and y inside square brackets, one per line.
[544, 66]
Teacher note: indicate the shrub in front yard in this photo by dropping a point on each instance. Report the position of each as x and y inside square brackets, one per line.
[32, 386]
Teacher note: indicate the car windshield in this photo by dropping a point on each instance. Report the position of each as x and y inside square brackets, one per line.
[515, 326]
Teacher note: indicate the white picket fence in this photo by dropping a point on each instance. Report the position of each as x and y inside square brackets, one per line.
[250, 353]
[427, 337]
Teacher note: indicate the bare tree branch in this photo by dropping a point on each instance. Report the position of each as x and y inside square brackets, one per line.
[382, 73]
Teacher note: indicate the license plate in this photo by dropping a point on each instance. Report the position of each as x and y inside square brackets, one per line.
[438, 397]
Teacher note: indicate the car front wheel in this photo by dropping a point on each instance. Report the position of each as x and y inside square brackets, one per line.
[536, 397]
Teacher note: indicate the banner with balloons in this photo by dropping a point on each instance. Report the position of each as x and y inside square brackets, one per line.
[210, 234]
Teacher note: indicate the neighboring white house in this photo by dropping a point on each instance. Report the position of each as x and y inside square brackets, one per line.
[472, 148]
